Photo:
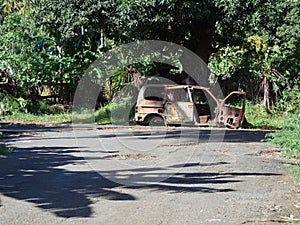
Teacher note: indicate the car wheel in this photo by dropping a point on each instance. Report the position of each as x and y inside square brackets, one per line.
[156, 121]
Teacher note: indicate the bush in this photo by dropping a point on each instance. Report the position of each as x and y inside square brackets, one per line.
[290, 101]
[115, 112]
[13, 104]
[20, 105]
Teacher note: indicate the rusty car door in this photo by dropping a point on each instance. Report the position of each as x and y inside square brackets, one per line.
[179, 107]
[231, 113]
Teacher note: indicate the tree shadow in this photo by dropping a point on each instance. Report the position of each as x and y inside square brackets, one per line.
[38, 175]
[34, 175]
[199, 135]
[204, 182]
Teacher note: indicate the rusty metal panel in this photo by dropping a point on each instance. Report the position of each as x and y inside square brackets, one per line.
[204, 119]
[172, 115]
[180, 112]
[177, 106]
[229, 116]
[186, 109]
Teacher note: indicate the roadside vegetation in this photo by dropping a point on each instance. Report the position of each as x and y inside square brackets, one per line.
[253, 45]
[288, 134]
[258, 118]
[113, 113]
[65, 117]
[24, 110]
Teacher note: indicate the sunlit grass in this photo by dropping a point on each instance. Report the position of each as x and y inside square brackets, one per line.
[40, 118]
[257, 117]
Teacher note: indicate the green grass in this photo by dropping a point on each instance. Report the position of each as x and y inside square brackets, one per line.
[103, 114]
[296, 173]
[287, 130]
[117, 113]
[40, 118]
[288, 137]
[4, 150]
[257, 117]
[111, 113]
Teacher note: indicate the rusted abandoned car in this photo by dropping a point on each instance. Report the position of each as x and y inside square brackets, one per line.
[159, 104]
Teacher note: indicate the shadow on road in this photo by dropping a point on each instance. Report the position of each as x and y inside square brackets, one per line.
[36, 175]
[244, 136]
[33, 175]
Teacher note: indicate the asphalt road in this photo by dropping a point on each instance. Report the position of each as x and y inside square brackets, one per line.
[137, 175]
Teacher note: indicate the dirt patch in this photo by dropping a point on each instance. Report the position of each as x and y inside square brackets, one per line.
[130, 156]
[16, 129]
[18, 125]
[19, 134]
[275, 153]
[272, 152]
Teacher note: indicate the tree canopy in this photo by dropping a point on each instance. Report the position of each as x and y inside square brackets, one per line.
[245, 40]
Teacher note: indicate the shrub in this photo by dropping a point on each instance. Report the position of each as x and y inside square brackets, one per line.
[13, 104]
[115, 112]
[290, 101]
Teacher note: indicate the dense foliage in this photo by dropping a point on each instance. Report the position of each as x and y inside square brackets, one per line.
[45, 46]
[264, 50]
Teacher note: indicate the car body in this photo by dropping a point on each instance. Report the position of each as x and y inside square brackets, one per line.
[163, 104]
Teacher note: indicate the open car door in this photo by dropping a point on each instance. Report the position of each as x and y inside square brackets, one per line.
[231, 111]
[179, 107]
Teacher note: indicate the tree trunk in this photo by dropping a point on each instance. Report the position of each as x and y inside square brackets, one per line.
[201, 39]
[201, 44]
[266, 89]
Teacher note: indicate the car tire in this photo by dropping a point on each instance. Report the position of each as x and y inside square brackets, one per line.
[156, 121]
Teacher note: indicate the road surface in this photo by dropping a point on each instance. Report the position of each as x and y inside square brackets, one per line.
[137, 175]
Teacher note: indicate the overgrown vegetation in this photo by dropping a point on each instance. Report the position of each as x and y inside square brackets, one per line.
[258, 117]
[116, 113]
[288, 137]
[45, 46]
[254, 45]
[65, 117]
[24, 110]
